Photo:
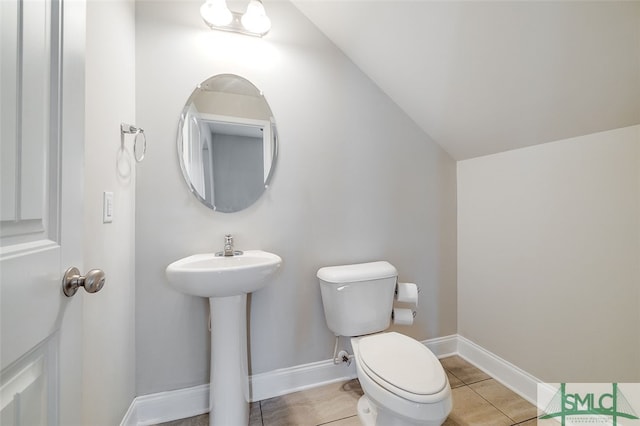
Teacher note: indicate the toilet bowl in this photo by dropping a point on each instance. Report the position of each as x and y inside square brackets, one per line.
[403, 382]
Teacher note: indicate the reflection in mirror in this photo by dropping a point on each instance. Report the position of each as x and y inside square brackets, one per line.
[227, 143]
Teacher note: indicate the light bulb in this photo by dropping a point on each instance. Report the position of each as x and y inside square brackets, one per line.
[216, 13]
[255, 18]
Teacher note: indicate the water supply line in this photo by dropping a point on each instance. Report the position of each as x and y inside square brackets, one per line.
[342, 356]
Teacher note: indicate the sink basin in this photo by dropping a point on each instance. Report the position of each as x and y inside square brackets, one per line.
[208, 275]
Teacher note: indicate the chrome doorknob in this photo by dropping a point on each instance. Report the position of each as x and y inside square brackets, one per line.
[92, 282]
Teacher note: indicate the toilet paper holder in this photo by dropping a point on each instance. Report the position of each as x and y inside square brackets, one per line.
[414, 313]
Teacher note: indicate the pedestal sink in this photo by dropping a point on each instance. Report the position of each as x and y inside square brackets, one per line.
[226, 281]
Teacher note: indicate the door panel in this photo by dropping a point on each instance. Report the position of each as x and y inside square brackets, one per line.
[28, 393]
[41, 129]
[30, 82]
[30, 301]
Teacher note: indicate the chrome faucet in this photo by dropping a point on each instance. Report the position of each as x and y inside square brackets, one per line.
[228, 247]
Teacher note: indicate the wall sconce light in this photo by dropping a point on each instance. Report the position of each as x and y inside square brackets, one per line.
[218, 16]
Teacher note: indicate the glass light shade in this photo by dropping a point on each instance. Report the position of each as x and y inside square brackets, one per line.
[216, 12]
[255, 18]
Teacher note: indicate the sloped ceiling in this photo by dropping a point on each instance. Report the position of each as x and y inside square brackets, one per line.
[485, 77]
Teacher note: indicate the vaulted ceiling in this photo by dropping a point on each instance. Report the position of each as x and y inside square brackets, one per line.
[484, 77]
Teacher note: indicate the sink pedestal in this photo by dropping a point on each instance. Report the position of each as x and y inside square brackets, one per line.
[226, 281]
[229, 381]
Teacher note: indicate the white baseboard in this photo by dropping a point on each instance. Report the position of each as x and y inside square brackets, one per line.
[294, 379]
[516, 379]
[166, 406]
[443, 346]
[189, 402]
[131, 416]
[183, 403]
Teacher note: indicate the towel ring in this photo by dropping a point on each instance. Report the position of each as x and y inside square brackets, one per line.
[137, 132]
[135, 146]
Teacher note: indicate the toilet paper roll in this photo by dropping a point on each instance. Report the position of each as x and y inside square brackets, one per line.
[407, 293]
[402, 316]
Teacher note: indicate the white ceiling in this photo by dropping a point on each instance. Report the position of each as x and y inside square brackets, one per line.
[484, 77]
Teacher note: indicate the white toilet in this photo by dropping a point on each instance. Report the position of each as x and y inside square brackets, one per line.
[403, 381]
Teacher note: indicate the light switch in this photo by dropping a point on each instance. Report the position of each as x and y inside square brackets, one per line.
[107, 207]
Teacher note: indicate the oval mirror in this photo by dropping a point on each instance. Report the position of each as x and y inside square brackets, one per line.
[227, 143]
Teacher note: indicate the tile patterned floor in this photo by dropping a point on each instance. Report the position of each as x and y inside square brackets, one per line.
[478, 400]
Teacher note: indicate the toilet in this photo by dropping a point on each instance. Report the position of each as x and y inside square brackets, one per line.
[403, 381]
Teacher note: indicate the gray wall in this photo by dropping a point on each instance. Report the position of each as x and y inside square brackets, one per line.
[549, 257]
[108, 339]
[356, 181]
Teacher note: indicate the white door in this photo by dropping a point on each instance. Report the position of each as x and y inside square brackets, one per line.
[41, 173]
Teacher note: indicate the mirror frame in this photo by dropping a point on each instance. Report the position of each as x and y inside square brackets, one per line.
[180, 145]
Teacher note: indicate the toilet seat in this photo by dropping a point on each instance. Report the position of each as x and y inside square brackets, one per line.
[402, 366]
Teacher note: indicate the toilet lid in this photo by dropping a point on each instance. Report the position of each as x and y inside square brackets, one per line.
[400, 363]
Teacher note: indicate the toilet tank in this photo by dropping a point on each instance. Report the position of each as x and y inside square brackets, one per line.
[358, 298]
